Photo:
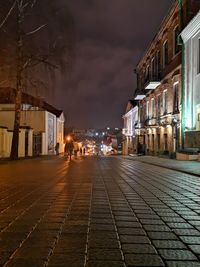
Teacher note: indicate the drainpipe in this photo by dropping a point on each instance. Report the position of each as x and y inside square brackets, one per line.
[180, 42]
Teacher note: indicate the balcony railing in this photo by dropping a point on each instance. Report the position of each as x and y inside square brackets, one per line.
[152, 82]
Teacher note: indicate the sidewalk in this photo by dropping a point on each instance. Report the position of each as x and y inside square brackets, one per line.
[189, 167]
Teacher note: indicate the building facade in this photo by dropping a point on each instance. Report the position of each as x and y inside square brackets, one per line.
[191, 118]
[41, 126]
[159, 84]
[130, 120]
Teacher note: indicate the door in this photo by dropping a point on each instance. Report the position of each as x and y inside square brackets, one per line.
[37, 144]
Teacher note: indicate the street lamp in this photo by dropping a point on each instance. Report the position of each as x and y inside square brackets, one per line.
[68, 138]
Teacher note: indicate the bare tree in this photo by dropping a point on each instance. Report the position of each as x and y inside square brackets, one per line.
[44, 37]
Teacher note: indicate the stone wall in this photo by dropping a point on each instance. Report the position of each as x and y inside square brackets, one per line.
[192, 139]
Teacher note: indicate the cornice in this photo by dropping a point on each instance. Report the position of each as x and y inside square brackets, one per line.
[192, 28]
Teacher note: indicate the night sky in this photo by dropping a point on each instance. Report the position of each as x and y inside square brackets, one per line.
[111, 36]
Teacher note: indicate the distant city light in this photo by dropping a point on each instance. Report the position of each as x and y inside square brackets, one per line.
[108, 128]
[97, 134]
[116, 128]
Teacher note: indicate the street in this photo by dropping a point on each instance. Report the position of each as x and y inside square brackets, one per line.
[97, 212]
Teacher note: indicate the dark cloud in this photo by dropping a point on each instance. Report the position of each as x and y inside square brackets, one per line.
[111, 37]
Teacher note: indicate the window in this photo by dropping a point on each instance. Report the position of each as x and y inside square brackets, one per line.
[158, 63]
[165, 53]
[152, 108]
[165, 142]
[147, 74]
[158, 140]
[165, 102]
[147, 110]
[153, 142]
[175, 40]
[159, 105]
[153, 69]
[176, 98]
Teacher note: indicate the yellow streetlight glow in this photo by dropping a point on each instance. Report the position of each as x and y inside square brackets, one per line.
[68, 138]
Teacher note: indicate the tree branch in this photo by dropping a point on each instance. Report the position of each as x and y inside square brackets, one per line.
[36, 30]
[8, 14]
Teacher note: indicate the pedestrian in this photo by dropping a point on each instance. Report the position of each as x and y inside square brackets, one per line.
[57, 148]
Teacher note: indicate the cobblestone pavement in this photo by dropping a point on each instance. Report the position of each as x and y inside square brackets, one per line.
[107, 212]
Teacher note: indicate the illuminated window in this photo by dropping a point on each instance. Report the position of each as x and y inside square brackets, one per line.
[165, 102]
[147, 110]
[152, 108]
[176, 98]
[165, 53]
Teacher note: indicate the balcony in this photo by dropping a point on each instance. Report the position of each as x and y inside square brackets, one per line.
[139, 94]
[152, 82]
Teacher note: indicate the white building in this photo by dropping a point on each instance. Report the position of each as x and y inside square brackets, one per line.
[191, 39]
[41, 126]
[130, 119]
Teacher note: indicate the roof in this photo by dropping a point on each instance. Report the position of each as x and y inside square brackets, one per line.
[7, 96]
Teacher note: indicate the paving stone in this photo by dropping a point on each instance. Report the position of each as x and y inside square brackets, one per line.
[128, 224]
[162, 235]
[104, 243]
[105, 264]
[182, 264]
[105, 254]
[138, 249]
[195, 223]
[195, 248]
[101, 221]
[67, 260]
[189, 232]
[180, 225]
[134, 239]
[156, 228]
[128, 218]
[17, 262]
[173, 254]
[173, 219]
[191, 239]
[99, 235]
[151, 221]
[102, 227]
[168, 244]
[145, 260]
[131, 231]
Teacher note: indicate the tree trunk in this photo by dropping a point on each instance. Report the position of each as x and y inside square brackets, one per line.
[18, 95]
